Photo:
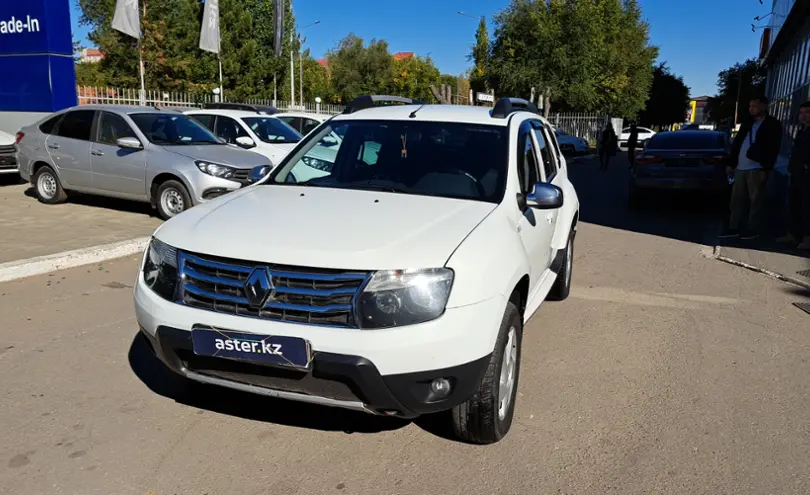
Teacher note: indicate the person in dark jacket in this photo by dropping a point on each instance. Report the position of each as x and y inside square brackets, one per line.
[632, 143]
[607, 145]
[753, 156]
[799, 189]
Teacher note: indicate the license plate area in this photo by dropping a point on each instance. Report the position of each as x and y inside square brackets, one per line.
[270, 350]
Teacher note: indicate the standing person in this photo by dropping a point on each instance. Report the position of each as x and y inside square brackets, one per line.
[632, 143]
[607, 145]
[752, 158]
[799, 189]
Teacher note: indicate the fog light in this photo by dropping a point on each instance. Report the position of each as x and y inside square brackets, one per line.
[440, 388]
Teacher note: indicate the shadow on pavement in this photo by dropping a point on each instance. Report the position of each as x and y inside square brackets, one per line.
[10, 180]
[222, 400]
[604, 200]
[104, 202]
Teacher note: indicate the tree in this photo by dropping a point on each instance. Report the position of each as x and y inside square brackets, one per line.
[736, 85]
[480, 57]
[316, 81]
[413, 77]
[357, 69]
[669, 98]
[579, 54]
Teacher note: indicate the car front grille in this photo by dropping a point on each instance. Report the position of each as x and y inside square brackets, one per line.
[241, 175]
[299, 295]
[8, 149]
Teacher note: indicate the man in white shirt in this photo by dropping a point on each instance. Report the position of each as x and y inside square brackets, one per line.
[753, 156]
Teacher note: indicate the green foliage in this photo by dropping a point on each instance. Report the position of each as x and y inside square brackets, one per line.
[316, 81]
[90, 74]
[481, 57]
[668, 101]
[746, 79]
[357, 69]
[414, 76]
[590, 56]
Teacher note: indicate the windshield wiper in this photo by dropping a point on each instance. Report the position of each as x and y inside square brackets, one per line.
[376, 187]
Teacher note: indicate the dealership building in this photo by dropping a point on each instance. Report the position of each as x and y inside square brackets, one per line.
[785, 52]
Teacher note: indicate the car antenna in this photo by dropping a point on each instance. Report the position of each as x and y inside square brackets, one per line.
[413, 114]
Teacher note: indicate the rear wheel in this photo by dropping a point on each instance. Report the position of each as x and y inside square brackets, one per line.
[635, 197]
[486, 417]
[47, 186]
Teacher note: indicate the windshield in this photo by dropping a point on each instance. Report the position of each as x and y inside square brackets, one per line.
[466, 161]
[172, 129]
[690, 140]
[272, 130]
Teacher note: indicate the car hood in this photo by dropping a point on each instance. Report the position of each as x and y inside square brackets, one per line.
[327, 228]
[223, 154]
[7, 139]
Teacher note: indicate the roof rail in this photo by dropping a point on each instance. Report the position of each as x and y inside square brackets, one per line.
[507, 106]
[242, 106]
[368, 101]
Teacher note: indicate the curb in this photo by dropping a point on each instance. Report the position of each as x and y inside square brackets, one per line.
[14, 270]
[769, 273]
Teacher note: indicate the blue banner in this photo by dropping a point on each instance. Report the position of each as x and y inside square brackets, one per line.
[36, 47]
[35, 26]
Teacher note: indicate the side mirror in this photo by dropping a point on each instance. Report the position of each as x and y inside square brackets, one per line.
[245, 142]
[258, 173]
[545, 197]
[129, 143]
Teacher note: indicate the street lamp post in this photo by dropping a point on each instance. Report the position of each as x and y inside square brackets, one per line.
[301, 66]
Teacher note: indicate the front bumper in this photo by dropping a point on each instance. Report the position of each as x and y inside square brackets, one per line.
[680, 183]
[9, 164]
[337, 380]
[381, 371]
[204, 187]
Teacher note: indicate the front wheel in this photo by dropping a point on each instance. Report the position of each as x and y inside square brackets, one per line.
[486, 417]
[562, 286]
[172, 199]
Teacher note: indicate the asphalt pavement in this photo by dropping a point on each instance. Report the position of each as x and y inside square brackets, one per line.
[664, 372]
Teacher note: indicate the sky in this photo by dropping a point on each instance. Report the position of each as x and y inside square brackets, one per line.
[697, 38]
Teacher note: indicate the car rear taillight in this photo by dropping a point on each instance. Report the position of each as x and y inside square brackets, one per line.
[648, 159]
[714, 160]
[20, 136]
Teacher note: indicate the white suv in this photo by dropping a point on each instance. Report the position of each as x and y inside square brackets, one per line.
[397, 283]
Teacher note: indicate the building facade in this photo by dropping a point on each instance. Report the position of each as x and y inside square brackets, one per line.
[785, 53]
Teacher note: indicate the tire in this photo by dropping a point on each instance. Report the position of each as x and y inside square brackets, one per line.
[171, 199]
[48, 188]
[481, 419]
[562, 286]
[635, 197]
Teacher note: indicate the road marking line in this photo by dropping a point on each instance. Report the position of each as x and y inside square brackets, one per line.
[14, 270]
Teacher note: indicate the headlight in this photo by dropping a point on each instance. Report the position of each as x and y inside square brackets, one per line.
[160, 269]
[215, 169]
[317, 163]
[404, 297]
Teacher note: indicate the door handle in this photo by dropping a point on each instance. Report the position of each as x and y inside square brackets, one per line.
[53, 146]
[549, 218]
[97, 153]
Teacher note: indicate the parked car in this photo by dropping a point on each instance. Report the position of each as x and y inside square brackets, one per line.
[265, 109]
[138, 153]
[8, 153]
[396, 284]
[303, 122]
[680, 160]
[571, 145]
[261, 133]
[644, 135]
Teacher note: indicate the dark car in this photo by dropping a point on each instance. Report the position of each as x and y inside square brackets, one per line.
[681, 160]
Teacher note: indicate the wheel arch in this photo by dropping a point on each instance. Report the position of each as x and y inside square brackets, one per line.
[159, 179]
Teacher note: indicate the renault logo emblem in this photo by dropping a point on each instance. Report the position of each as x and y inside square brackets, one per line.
[259, 287]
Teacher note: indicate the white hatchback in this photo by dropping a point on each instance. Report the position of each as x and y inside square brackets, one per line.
[258, 132]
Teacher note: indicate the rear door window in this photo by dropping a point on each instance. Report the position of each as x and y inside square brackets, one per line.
[48, 126]
[307, 125]
[77, 124]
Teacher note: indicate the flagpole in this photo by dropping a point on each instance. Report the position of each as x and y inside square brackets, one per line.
[140, 63]
[221, 93]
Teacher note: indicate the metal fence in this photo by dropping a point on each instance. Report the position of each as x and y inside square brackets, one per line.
[585, 126]
[123, 96]
[577, 124]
